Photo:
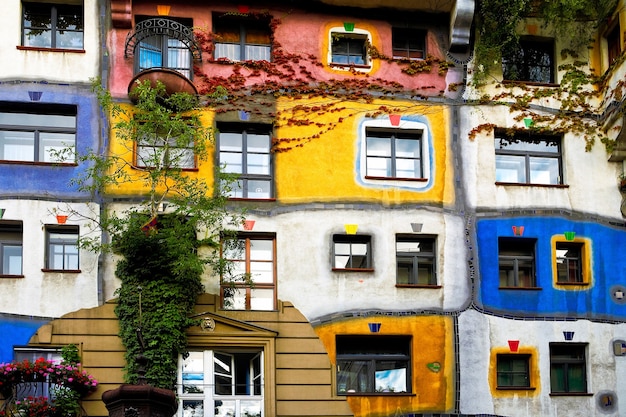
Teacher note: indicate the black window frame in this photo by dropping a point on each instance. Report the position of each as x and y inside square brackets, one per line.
[13, 109]
[349, 45]
[564, 356]
[11, 235]
[530, 156]
[355, 261]
[414, 259]
[50, 241]
[571, 261]
[371, 353]
[507, 373]
[224, 23]
[162, 45]
[55, 10]
[394, 157]
[245, 178]
[408, 43]
[523, 64]
[614, 43]
[516, 255]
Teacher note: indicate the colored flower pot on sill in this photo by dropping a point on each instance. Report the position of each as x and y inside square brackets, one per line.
[394, 119]
[348, 26]
[513, 345]
[61, 218]
[248, 224]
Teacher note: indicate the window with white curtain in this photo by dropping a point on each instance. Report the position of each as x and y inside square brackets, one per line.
[241, 39]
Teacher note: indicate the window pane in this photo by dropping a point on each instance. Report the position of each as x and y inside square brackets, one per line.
[231, 162]
[251, 408]
[379, 167]
[54, 147]
[354, 376]
[193, 408]
[510, 169]
[404, 271]
[261, 249]
[544, 170]
[262, 272]
[193, 373]
[259, 189]
[225, 408]
[408, 168]
[17, 146]
[576, 378]
[12, 259]
[227, 50]
[408, 148]
[258, 164]
[378, 146]
[261, 299]
[391, 376]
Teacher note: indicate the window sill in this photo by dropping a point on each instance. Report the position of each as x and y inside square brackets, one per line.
[62, 271]
[367, 177]
[352, 269]
[427, 286]
[521, 288]
[349, 66]
[516, 388]
[251, 199]
[11, 276]
[36, 48]
[571, 394]
[526, 184]
[56, 164]
[573, 284]
[142, 168]
[530, 83]
[377, 394]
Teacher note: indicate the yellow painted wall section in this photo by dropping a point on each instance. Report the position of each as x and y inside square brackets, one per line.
[324, 168]
[535, 381]
[124, 150]
[432, 345]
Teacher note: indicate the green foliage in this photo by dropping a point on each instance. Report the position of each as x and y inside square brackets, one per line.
[70, 355]
[161, 262]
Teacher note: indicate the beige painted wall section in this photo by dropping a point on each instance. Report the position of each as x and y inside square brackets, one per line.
[72, 67]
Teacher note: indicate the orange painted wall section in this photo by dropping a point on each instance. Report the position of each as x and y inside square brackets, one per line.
[431, 345]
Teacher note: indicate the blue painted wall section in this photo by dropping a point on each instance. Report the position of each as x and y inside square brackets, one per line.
[592, 301]
[50, 181]
[16, 331]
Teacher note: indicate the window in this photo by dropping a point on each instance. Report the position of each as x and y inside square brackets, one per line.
[513, 371]
[408, 43]
[516, 258]
[245, 150]
[57, 26]
[614, 44]
[569, 262]
[11, 247]
[166, 154]
[373, 364]
[415, 257]
[568, 372]
[394, 154]
[352, 252]
[533, 61]
[238, 39]
[253, 257]
[525, 159]
[62, 248]
[37, 133]
[224, 382]
[349, 49]
[164, 43]
[36, 389]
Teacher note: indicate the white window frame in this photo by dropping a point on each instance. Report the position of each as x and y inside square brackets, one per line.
[427, 155]
[340, 30]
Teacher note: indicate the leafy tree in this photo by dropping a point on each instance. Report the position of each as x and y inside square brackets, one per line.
[162, 257]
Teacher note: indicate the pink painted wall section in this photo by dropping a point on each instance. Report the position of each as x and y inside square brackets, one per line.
[304, 37]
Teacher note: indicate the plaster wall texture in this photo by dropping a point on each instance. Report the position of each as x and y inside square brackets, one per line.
[51, 66]
[49, 294]
[480, 334]
[588, 178]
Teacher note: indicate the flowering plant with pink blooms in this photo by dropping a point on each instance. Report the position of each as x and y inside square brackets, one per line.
[42, 370]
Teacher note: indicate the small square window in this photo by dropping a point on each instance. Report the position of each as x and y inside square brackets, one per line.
[569, 262]
[528, 159]
[349, 49]
[241, 39]
[352, 252]
[11, 235]
[513, 371]
[394, 154]
[54, 26]
[373, 364]
[161, 153]
[516, 257]
[408, 43]
[568, 368]
[62, 248]
[532, 61]
[415, 260]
